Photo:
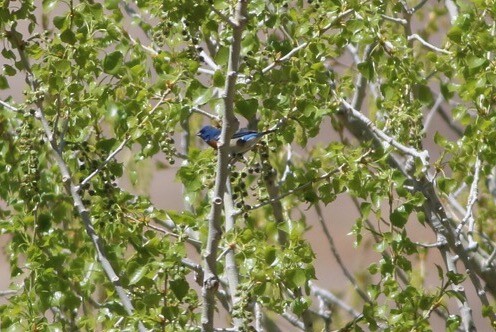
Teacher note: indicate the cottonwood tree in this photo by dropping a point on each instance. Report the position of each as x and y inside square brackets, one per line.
[399, 93]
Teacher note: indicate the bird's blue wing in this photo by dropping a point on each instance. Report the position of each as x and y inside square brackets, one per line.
[245, 133]
[247, 136]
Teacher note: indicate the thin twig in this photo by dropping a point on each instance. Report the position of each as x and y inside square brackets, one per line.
[422, 155]
[293, 320]
[7, 105]
[490, 259]
[401, 21]
[284, 58]
[427, 44]
[337, 256]
[419, 6]
[9, 292]
[332, 299]
[335, 20]
[223, 17]
[105, 162]
[206, 71]
[202, 112]
[292, 191]
[433, 111]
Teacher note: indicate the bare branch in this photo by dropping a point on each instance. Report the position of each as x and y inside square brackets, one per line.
[452, 9]
[401, 21]
[229, 126]
[336, 20]
[427, 44]
[469, 215]
[232, 271]
[202, 112]
[293, 320]
[332, 299]
[206, 71]
[223, 17]
[433, 111]
[8, 106]
[259, 317]
[284, 58]
[422, 155]
[102, 165]
[8, 292]
[337, 256]
[71, 187]
[290, 192]
[208, 60]
[490, 259]
[419, 6]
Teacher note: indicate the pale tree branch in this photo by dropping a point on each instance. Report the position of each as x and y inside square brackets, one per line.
[232, 271]
[71, 187]
[202, 112]
[259, 317]
[427, 44]
[432, 112]
[225, 18]
[8, 106]
[422, 155]
[294, 320]
[463, 305]
[102, 165]
[303, 45]
[208, 60]
[401, 21]
[452, 9]
[122, 145]
[469, 215]
[337, 256]
[229, 127]
[330, 298]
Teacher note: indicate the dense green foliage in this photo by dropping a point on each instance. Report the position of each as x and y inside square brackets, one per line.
[103, 84]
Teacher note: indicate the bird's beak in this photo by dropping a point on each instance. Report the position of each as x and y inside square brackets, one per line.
[198, 134]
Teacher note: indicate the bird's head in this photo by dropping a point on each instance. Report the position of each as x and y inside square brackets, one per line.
[209, 133]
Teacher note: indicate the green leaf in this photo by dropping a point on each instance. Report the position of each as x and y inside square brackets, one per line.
[9, 70]
[298, 277]
[180, 288]
[112, 62]
[4, 84]
[48, 5]
[67, 36]
[424, 94]
[474, 61]
[455, 34]
[106, 144]
[218, 79]
[269, 255]
[138, 274]
[399, 216]
[202, 96]
[366, 69]
[456, 278]
[112, 4]
[247, 107]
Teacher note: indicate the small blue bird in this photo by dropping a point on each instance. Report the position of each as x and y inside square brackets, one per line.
[241, 141]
